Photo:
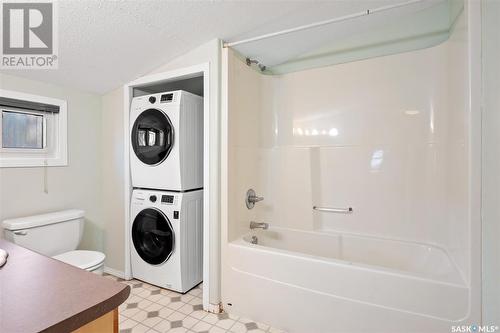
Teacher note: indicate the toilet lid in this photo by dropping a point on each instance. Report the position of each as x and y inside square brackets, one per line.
[81, 258]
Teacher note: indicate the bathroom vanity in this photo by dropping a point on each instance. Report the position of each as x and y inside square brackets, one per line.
[38, 293]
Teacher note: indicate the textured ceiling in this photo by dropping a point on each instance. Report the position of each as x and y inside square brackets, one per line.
[104, 44]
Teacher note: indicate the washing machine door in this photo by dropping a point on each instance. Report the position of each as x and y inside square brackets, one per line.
[152, 136]
[153, 236]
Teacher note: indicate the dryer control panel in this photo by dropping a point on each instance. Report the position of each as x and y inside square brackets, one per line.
[167, 199]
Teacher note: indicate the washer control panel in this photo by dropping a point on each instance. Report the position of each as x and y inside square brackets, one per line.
[155, 198]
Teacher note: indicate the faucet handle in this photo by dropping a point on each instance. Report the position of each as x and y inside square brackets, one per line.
[251, 198]
[255, 199]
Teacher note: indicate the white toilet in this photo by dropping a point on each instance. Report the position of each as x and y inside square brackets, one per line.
[56, 235]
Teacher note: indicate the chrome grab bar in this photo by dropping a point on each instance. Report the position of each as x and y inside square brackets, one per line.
[347, 210]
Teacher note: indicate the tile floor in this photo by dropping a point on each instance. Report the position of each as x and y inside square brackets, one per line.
[153, 309]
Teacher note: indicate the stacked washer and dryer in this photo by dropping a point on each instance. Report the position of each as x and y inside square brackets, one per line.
[166, 162]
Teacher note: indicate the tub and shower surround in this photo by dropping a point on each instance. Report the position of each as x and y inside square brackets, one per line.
[387, 136]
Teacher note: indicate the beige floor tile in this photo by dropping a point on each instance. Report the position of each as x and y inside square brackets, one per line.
[144, 293]
[262, 326]
[233, 316]
[151, 322]
[165, 292]
[133, 299]
[140, 328]
[238, 328]
[200, 314]
[176, 316]
[215, 329]
[129, 323]
[175, 305]
[138, 291]
[225, 323]
[162, 326]
[144, 304]
[121, 318]
[189, 322]
[196, 300]
[154, 307]
[155, 298]
[150, 286]
[186, 298]
[129, 312]
[201, 326]
[165, 312]
[186, 309]
[195, 292]
[178, 330]
[211, 318]
[168, 311]
[165, 300]
[140, 316]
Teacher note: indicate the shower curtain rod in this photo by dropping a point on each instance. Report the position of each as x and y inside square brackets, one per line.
[321, 23]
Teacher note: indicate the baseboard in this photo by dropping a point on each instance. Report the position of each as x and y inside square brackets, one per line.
[114, 272]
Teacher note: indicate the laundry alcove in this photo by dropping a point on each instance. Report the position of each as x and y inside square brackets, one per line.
[195, 80]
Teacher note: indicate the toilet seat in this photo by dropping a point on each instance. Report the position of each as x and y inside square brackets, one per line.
[88, 260]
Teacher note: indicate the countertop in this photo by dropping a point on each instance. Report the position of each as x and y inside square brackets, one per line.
[41, 294]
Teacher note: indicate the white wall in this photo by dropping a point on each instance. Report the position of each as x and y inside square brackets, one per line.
[244, 133]
[77, 185]
[112, 178]
[491, 162]
[387, 136]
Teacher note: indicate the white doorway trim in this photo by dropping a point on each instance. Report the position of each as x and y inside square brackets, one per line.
[208, 136]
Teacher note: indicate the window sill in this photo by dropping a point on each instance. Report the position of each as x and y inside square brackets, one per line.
[32, 162]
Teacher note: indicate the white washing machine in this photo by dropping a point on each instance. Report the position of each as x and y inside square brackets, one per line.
[166, 146]
[166, 233]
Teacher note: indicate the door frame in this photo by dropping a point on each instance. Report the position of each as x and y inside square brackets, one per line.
[209, 201]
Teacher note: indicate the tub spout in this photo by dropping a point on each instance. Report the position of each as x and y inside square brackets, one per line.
[259, 225]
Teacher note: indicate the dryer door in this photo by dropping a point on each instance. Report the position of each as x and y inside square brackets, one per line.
[153, 236]
[152, 136]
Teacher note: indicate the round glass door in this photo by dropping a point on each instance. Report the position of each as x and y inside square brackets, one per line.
[152, 136]
[153, 236]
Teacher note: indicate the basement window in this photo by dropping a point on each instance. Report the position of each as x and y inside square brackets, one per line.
[33, 130]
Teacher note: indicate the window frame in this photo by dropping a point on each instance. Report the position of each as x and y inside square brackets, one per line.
[54, 152]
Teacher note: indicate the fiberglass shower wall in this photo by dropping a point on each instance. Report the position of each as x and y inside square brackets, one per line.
[387, 136]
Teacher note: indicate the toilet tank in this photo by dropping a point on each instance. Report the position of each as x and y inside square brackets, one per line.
[49, 234]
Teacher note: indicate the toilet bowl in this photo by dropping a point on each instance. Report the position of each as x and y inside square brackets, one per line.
[91, 261]
[56, 235]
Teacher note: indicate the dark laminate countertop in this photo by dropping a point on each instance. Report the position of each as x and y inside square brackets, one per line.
[38, 293]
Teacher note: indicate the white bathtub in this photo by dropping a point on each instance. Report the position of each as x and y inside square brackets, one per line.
[363, 283]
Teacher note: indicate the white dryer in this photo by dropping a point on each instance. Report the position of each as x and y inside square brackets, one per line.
[166, 146]
[166, 236]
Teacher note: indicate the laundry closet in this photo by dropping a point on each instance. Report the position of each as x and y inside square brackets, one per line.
[165, 231]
